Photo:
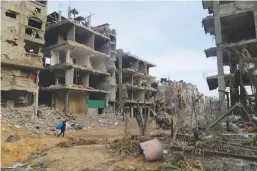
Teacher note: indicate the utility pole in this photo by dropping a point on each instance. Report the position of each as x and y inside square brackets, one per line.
[89, 19]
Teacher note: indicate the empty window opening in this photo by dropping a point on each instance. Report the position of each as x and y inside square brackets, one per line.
[33, 33]
[129, 95]
[136, 82]
[238, 27]
[84, 37]
[77, 78]
[46, 78]
[45, 97]
[96, 96]
[61, 80]
[128, 62]
[62, 57]
[99, 82]
[34, 22]
[142, 67]
[50, 39]
[42, 2]
[31, 47]
[38, 10]
[101, 44]
[127, 79]
[11, 14]
[25, 74]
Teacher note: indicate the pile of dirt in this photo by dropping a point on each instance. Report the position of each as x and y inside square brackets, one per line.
[125, 147]
[76, 142]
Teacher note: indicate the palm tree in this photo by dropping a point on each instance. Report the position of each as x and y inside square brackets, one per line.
[74, 12]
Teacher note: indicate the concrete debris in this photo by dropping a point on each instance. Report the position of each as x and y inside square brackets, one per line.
[47, 119]
[13, 138]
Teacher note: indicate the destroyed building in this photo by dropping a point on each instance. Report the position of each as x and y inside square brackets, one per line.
[135, 84]
[234, 25]
[171, 93]
[22, 34]
[79, 65]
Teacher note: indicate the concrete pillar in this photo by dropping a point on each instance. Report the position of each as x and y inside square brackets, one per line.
[68, 58]
[69, 75]
[131, 111]
[218, 36]
[106, 98]
[35, 102]
[60, 16]
[69, 14]
[85, 79]
[121, 95]
[255, 18]
[233, 89]
[59, 38]
[56, 80]
[66, 102]
[71, 33]
[56, 100]
[91, 42]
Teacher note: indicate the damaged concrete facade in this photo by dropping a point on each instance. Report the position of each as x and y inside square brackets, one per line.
[22, 29]
[135, 84]
[82, 63]
[170, 92]
[234, 25]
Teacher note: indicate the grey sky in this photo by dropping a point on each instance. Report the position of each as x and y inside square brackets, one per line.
[169, 34]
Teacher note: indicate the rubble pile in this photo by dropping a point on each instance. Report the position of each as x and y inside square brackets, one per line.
[47, 119]
[24, 117]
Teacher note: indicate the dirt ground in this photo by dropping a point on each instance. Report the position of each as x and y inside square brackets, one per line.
[96, 156]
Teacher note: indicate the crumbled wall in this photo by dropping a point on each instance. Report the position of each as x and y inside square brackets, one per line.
[12, 79]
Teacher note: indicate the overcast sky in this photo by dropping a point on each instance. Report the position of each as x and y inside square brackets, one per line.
[169, 34]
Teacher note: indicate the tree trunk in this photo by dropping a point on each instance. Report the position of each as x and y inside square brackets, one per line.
[126, 124]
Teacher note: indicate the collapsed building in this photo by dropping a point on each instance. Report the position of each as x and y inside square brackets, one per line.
[79, 65]
[135, 84]
[22, 34]
[179, 94]
[234, 25]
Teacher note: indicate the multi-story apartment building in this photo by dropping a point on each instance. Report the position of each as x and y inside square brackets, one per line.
[234, 25]
[81, 69]
[135, 82]
[22, 34]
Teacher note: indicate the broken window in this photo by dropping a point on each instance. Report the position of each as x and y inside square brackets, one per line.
[11, 14]
[38, 10]
[32, 33]
[34, 22]
[62, 57]
[31, 47]
[25, 74]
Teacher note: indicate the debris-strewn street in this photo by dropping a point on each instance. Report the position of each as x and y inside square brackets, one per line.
[81, 94]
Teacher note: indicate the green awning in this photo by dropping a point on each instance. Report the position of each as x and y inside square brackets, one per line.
[96, 104]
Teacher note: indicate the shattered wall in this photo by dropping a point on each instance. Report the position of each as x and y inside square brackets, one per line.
[16, 17]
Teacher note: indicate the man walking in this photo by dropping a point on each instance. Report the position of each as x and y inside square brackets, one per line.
[63, 128]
